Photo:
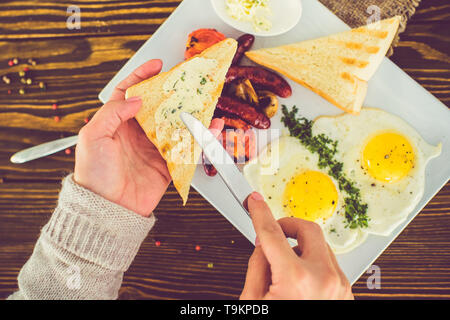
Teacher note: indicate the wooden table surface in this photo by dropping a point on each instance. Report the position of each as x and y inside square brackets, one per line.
[77, 64]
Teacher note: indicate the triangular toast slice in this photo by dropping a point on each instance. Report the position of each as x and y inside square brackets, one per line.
[336, 67]
[193, 86]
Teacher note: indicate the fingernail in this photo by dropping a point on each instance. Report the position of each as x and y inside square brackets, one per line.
[257, 196]
[257, 243]
[133, 99]
[217, 123]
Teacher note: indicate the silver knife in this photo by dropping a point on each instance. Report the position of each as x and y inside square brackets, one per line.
[44, 149]
[220, 158]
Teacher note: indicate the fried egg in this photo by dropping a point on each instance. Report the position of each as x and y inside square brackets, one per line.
[383, 155]
[293, 185]
[386, 158]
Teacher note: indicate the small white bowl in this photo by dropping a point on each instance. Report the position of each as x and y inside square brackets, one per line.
[285, 15]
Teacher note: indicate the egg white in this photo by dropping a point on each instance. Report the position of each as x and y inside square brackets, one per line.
[272, 170]
[389, 204]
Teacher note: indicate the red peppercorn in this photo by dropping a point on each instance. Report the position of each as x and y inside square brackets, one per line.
[9, 91]
[26, 69]
[86, 120]
[197, 248]
[56, 118]
[157, 243]
[10, 63]
[68, 151]
[54, 106]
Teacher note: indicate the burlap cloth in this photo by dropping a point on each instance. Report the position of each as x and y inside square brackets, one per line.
[360, 12]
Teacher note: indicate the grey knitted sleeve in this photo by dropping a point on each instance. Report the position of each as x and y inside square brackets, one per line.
[84, 249]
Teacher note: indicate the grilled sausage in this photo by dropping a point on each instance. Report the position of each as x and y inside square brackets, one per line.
[261, 79]
[245, 42]
[236, 123]
[208, 167]
[216, 128]
[244, 111]
[240, 144]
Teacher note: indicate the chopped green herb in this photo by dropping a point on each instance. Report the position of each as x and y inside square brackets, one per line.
[326, 148]
[203, 82]
[199, 91]
[183, 75]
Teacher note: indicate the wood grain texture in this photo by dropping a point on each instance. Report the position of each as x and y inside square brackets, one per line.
[47, 19]
[77, 64]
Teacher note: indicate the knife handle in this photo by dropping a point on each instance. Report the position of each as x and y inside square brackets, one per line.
[44, 149]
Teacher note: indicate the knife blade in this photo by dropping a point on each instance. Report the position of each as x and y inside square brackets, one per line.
[44, 149]
[220, 158]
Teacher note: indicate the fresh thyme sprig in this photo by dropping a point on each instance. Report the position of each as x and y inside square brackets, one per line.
[326, 148]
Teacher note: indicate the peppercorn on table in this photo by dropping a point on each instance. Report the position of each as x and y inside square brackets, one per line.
[51, 77]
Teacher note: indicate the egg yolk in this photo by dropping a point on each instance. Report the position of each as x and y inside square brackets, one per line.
[388, 157]
[310, 195]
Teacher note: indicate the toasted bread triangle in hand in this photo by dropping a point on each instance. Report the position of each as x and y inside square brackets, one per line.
[193, 86]
[336, 67]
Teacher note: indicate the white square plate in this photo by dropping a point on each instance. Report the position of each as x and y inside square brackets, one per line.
[390, 89]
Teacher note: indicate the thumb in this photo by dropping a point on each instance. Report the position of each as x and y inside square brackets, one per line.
[273, 242]
[109, 118]
[258, 280]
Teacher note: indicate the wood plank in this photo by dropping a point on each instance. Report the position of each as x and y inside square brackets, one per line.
[435, 11]
[414, 265]
[48, 19]
[423, 53]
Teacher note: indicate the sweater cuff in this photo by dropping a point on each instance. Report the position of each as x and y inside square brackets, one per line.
[96, 229]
